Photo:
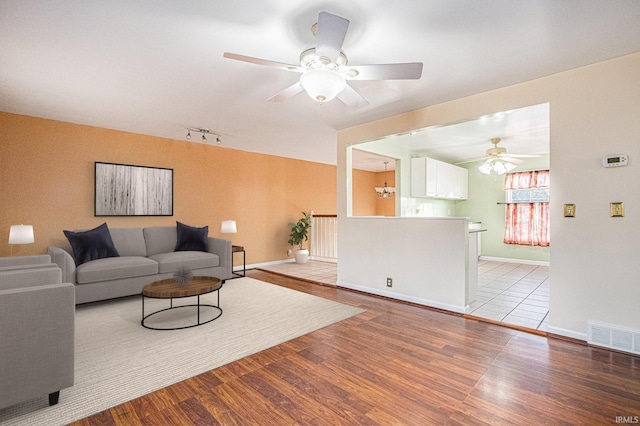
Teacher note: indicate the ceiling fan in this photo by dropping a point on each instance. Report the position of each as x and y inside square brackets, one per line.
[497, 159]
[324, 67]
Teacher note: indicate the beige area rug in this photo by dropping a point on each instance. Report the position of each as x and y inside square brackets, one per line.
[118, 360]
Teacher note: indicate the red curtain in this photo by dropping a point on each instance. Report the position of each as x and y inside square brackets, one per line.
[526, 180]
[527, 223]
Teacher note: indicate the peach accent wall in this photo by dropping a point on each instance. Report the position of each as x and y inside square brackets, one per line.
[47, 180]
[364, 196]
[365, 200]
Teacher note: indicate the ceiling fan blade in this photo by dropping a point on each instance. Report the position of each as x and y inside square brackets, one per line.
[287, 93]
[265, 62]
[330, 35]
[520, 155]
[351, 98]
[407, 71]
[473, 160]
[508, 159]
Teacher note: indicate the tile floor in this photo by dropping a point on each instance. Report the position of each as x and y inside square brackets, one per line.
[314, 270]
[512, 293]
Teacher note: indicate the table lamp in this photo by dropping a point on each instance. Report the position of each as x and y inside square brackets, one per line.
[228, 227]
[20, 234]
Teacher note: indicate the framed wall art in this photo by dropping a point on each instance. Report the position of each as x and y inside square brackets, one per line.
[127, 190]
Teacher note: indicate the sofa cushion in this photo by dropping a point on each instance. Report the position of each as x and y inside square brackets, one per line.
[191, 238]
[93, 244]
[129, 241]
[160, 239]
[114, 268]
[170, 262]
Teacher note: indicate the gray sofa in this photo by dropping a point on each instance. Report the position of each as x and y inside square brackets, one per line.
[37, 329]
[145, 255]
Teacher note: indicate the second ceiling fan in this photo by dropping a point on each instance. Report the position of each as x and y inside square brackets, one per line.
[498, 160]
[325, 68]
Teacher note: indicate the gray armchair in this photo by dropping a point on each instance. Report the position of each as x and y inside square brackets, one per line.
[37, 328]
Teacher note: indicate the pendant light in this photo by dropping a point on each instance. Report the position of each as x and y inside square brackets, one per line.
[385, 191]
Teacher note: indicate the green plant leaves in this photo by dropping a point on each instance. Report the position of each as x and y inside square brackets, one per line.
[300, 230]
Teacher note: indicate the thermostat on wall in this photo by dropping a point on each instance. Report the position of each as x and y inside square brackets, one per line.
[615, 160]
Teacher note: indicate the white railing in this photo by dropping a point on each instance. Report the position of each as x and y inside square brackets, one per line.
[324, 237]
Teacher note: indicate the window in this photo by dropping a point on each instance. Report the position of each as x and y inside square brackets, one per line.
[527, 212]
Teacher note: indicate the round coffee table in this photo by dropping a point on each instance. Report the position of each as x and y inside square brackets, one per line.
[169, 289]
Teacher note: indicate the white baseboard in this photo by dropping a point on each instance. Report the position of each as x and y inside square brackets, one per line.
[403, 297]
[567, 333]
[509, 260]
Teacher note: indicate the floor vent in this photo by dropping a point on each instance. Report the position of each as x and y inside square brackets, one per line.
[614, 337]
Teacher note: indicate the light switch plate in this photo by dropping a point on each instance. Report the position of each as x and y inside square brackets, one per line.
[569, 210]
[617, 209]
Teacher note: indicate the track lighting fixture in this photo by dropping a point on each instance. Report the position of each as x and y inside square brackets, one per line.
[204, 132]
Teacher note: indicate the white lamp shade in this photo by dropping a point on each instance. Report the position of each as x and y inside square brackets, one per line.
[21, 234]
[485, 169]
[228, 227]
[322, 85]
[498, 167]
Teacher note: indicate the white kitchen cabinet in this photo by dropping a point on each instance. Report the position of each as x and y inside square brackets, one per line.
[461, 182]
[423, 177]
[432, 177]
[437, 179]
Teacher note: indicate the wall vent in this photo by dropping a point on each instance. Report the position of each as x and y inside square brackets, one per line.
[614, 337]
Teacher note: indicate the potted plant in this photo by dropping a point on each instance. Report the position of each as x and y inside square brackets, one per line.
[300, 233]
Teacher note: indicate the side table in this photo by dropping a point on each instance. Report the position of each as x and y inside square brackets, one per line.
[239, 249]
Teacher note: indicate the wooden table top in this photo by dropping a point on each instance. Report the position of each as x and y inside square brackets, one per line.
[168, 288]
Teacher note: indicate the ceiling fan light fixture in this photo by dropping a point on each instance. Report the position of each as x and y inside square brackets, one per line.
[485, 168]
[322, 85]
[497, 166]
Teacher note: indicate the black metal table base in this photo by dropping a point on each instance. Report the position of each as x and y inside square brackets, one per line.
[234, 250]
[171, 307]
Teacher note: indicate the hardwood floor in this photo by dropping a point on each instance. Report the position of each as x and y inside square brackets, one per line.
[398, 364]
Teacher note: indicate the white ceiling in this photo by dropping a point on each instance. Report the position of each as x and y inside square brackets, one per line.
[521, 131]
[156, 66]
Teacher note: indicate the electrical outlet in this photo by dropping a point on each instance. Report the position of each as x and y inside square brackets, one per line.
[289, 252]
[389, 282]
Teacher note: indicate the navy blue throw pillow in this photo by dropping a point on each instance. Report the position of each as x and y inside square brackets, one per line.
[191, 238]
[91, 245]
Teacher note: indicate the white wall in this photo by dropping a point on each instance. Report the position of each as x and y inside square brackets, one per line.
[594, 258]
[428, 265]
